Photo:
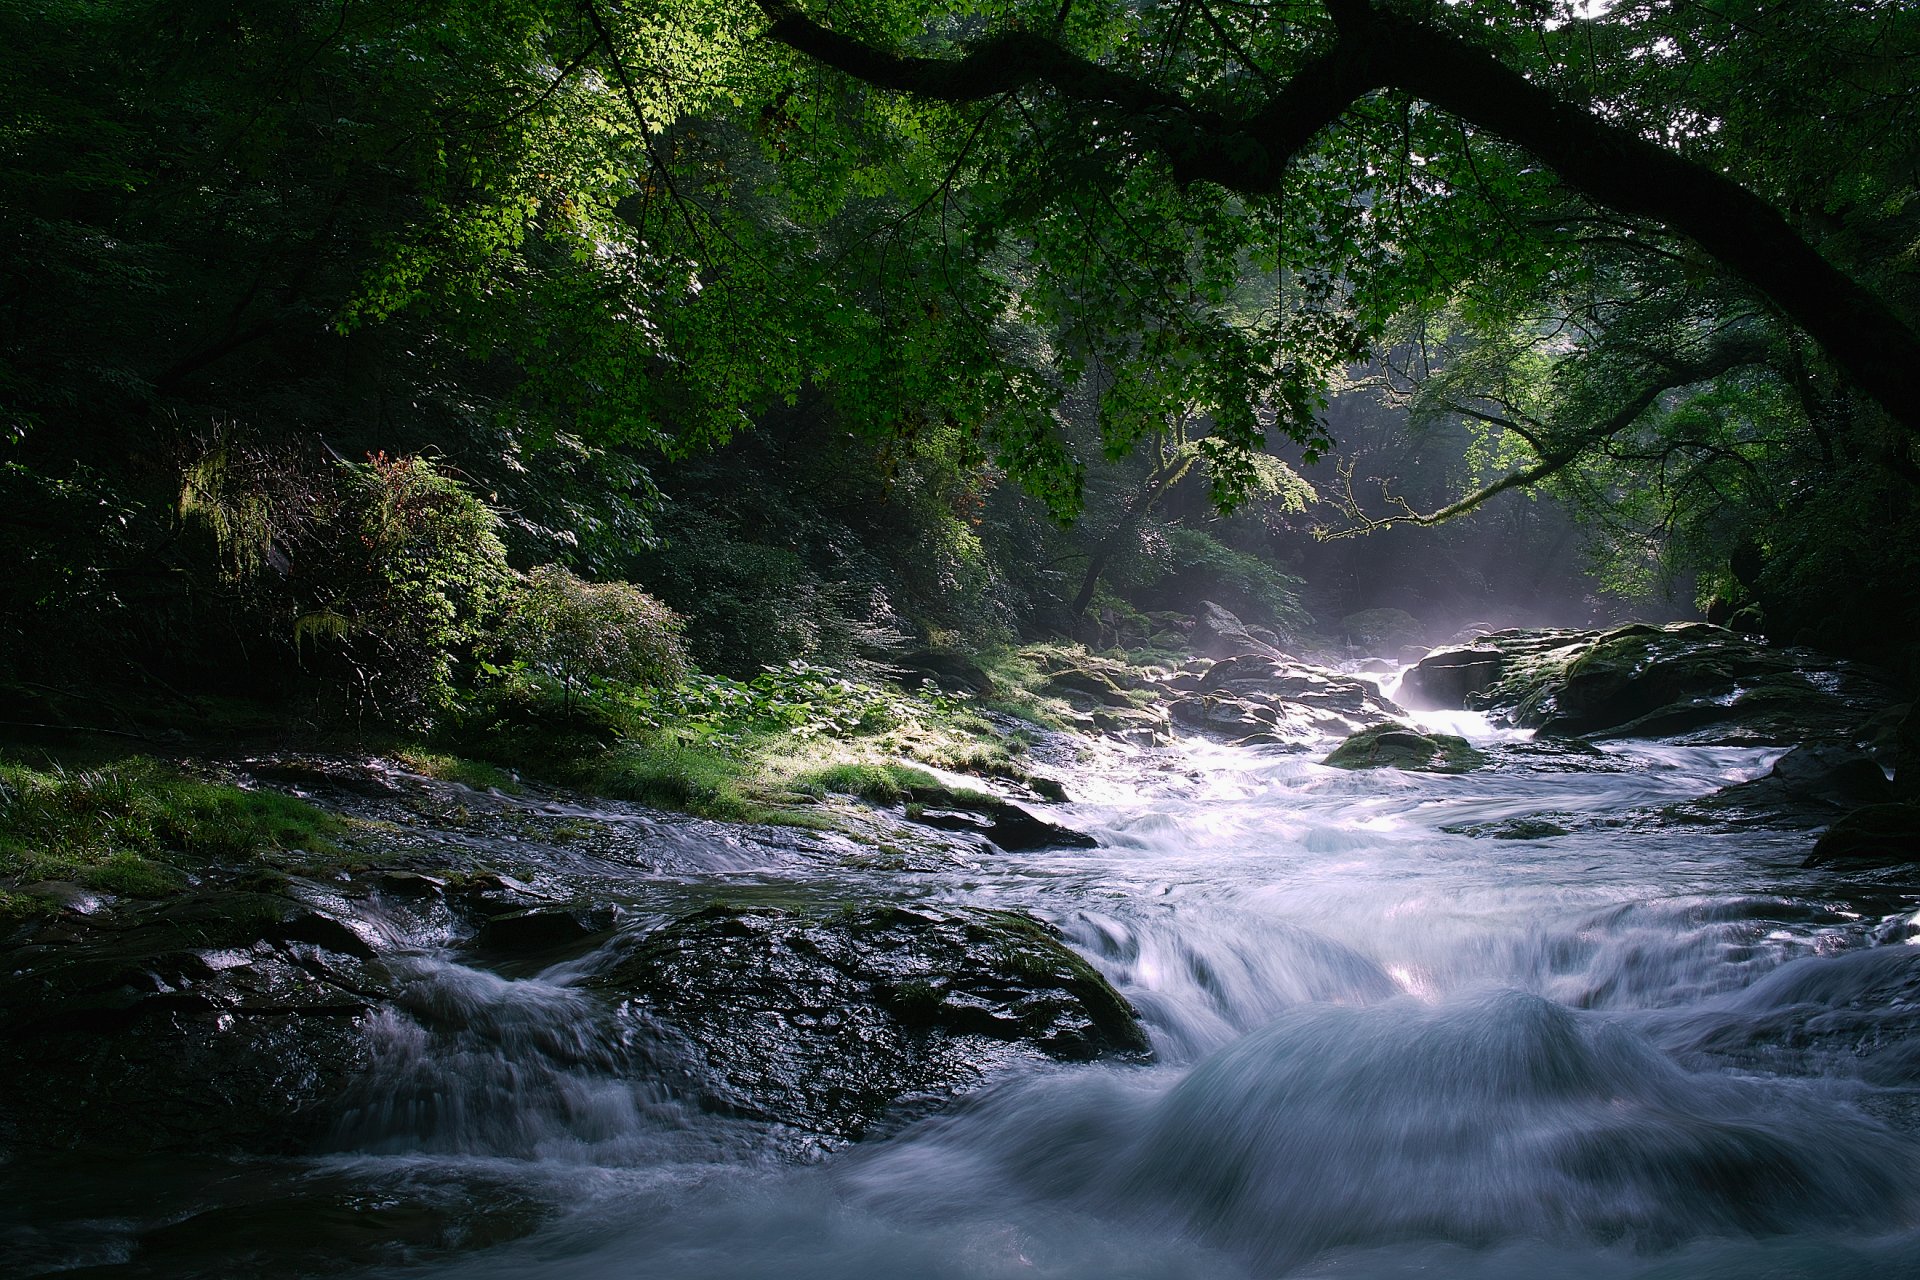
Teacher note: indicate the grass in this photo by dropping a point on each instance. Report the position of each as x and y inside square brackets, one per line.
[138, 827]
[881, 782]
[676, 775]
[477, 774]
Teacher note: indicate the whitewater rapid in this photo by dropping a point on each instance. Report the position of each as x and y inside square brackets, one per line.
[1387, 1043]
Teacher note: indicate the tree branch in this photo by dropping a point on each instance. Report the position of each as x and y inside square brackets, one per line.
[1249, 153]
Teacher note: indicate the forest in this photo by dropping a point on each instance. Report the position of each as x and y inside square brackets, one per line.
[1138, 579]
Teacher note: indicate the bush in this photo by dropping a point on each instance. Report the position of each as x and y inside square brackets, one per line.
[575, 632]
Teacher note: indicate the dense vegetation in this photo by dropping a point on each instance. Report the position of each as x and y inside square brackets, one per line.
[483, 367]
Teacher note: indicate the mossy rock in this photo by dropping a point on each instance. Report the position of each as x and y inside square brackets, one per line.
[1690, 682]
[828, 1021]
[1100, 685]
[1395, 746]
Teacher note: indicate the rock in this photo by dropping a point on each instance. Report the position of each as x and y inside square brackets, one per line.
[948, 670]
[1906, 754]
[828, 1022]
[1003, 822]
[542, 927]
[1396, 746]
[1144, 726]
[1229, 636]
[1444, 679]
[1889, 831]
[1689, 682]
[1806, 787]
[1510, 829]
[1250, 670]
[223, 1019]
[1098, 685]
[1235, 716]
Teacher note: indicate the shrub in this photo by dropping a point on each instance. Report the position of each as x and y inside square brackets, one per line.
[435, 566]
[574, 632]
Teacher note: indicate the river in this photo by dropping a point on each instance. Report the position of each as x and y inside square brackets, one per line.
[1386, 1044]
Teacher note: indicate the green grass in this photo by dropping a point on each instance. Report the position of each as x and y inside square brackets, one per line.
[138, 827]
[881, 783]
[477, 774]
[676, 775]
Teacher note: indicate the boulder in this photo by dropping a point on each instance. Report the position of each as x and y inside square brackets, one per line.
[1100, 686]
[1879, 831]
[225, 1019]
[1446, 678]
[1806, 787]
[1398, 747]
[1689, 682]
[1002, 822]
[828, 1022]
[948, 670]
[1228, 715]
[1228, 636]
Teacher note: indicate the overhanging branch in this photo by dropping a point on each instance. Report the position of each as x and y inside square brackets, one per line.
[1249, 153]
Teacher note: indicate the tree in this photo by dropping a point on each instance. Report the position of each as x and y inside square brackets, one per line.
[1244, 98]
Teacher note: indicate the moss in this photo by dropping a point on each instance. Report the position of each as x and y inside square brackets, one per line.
[137, 827]
[1396, 746]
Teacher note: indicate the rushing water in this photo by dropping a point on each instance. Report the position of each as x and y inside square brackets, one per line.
[1384, 1046]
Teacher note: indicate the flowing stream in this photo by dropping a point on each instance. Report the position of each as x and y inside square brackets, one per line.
[1387, 1043]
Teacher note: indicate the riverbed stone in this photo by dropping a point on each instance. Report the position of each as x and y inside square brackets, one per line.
[1004, 823]
[1889, 832]
[223, 1019]
[829, 1021]
[1809, 786]
[1446, 678]
[1399, 747]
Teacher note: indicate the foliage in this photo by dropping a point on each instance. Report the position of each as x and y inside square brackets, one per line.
[421, 579]
[798, 699]
[576, 632]
[139, 827]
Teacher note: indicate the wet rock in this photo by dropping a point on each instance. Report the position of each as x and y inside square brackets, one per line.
[1885, 831]
[1510, 829]
[1689, 682]
[1398, 747]
[1003, 822]
[1144, 726]
[1445, 679]
[828, 1022]
[224, 1019]
[329, 1229]
[542, 927]
[1262, 693]
[1806, 787]
[1906, 754]
[1246, 671]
